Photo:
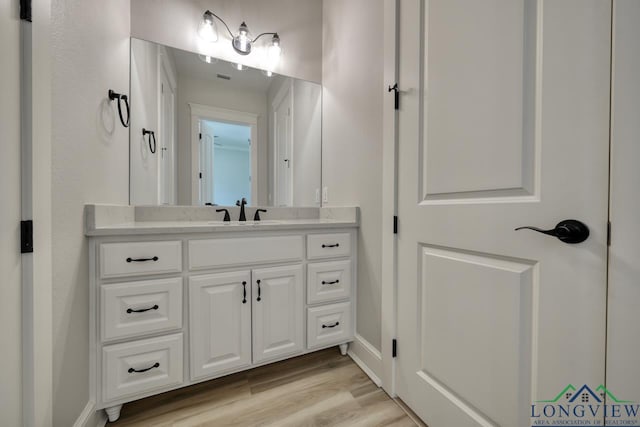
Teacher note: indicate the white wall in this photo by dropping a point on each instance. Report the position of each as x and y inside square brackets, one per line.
[145, 109]
[144, 114]
[623, 375]
[10, 266]
[352, 77]
[191, 90]
[90, 51]
[307, 142]
[307, 139]
[298, 22]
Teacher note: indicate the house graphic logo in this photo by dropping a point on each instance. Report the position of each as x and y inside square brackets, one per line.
[585, 406]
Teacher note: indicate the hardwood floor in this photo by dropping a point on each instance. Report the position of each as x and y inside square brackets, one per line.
[317, 389]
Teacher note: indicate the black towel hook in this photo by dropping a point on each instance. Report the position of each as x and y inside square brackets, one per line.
[119, 97]
[152, 147]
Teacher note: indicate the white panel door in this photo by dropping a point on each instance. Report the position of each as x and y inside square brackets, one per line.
[623, 334]
[277, 312]
[283, 148]
[166, 169]
[504, 122]
[10, 266]
[220, 323]
[206, 163]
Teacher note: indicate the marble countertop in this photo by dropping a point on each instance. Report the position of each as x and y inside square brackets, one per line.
[110, 220]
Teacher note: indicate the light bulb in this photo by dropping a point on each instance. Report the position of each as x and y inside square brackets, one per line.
[273, 53]
[242, 42]
[207, 28]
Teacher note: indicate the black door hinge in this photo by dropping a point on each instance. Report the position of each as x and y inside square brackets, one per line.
[608, 233]
[396, 95]
[394, 348]
[199, 136]
[395, 224]
[26, 237]
[25, 10]
[200, 175]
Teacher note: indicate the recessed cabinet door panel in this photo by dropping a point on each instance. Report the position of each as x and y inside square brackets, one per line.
[140, 258]
[328, 281]
[329, 324]
[220, 323]
[277, 312]
[135, 308]
[142, 366]
[501, 125]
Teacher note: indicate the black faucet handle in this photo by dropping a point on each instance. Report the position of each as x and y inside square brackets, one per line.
[243, 217]
[227, 217]
[256, 217]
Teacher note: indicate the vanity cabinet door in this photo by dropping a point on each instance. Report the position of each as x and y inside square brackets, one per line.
[277, 312]
[220, 323]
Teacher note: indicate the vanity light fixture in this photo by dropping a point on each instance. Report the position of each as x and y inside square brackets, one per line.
[241, 42]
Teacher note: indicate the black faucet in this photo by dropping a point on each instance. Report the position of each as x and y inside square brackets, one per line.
[256, 217]
[243, 216]
[227, 218]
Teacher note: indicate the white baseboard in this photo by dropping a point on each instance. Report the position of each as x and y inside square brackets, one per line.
[90, 418]
[367, 357]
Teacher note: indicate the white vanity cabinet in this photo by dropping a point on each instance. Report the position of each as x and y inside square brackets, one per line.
[173, 309]
[219, 323]
[277, 312]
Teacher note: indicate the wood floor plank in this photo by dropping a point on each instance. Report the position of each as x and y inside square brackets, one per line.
[318, 389]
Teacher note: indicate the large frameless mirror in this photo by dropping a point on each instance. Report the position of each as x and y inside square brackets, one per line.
[207, 131]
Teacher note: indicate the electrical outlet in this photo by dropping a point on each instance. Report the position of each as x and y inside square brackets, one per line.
[317, 195]
[325, 194]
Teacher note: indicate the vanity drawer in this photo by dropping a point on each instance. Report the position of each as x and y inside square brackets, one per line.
[138, 258]
[141, 366]
[135, 308]
[328, 245]
[328, 281]
[328, 324]
[214, 253]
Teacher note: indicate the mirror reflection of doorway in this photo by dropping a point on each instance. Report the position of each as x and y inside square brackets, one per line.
[225, 162]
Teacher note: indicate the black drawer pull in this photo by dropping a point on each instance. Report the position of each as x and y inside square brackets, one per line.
[335, 245]
[331, 283]
[331, 326]
[155, 258]
[155, 365]
[131, 310]
[259, 297]
[244, 292]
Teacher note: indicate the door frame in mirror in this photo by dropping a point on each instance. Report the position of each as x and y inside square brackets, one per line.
[205, 112]
[286, 90]
[167, 142]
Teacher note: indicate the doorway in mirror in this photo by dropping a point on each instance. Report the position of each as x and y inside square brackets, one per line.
[174, 93]
[225, 162]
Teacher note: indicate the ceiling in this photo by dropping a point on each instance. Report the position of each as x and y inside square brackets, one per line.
[189, 64]
[228, 134]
